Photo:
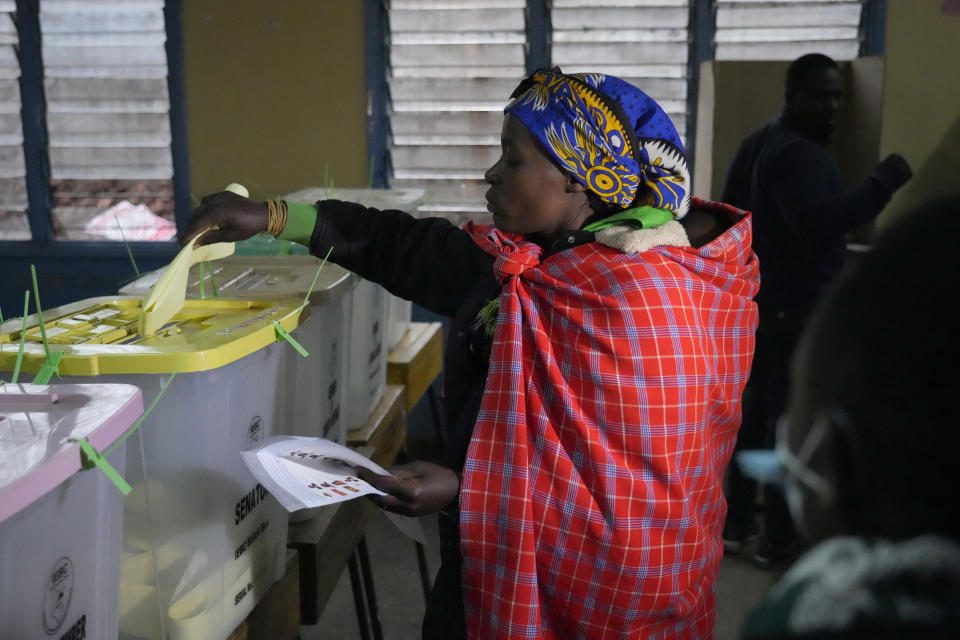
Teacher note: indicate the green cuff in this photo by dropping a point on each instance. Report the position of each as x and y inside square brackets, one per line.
[301, 219]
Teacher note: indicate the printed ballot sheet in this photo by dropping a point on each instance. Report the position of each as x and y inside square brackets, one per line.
[304, 473]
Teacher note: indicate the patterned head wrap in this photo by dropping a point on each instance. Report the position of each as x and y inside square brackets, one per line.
[612, 137]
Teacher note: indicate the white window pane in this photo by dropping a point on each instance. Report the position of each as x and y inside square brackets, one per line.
[460, 20]
[456, 55]
[621, 53]
[644, 4]
[454, 89]
[458, 5]
[751, 15]
[486, 123]
[475, 158]
[676, 17]
[838, 50]
[607, 36]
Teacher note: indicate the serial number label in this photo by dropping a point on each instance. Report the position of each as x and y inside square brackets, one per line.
[237, 599]
[246, 544]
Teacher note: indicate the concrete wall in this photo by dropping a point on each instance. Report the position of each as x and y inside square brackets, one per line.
[276, 93]
[921, 107]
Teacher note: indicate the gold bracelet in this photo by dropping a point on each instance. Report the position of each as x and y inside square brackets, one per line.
[271, 216]
[277, 217]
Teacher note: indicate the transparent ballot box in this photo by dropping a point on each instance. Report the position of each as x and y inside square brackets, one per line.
[202, 540]
[60, 524]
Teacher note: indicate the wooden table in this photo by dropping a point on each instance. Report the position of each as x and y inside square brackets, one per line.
[415, 363]
[417, 360]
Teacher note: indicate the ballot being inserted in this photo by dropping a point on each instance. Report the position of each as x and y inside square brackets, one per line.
[304, 473]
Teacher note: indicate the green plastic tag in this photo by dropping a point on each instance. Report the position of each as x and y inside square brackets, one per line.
[49, 368]
[136, 425]
[36, 302]
[282, 334]
[23, 333]
[92, 455]
[306, 299]
[52, 364]
[127, 245]
[213, 285]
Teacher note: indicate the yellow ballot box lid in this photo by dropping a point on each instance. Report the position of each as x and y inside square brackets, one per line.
[99, 335]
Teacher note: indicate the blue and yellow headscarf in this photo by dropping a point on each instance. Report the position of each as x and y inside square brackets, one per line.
[612, 137]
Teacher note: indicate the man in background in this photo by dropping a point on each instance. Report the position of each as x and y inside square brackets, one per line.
[801, 213]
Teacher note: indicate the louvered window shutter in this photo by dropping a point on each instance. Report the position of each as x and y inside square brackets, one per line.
[13, 189]
[452, 67]
[645, 42]
[105, 68]
[756, 30]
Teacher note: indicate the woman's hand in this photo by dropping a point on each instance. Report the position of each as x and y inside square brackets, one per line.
[415, 489]
[235, 218]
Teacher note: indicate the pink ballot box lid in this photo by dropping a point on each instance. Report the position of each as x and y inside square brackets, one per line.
[38, 428]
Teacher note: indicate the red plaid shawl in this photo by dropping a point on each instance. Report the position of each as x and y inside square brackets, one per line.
[591, 504]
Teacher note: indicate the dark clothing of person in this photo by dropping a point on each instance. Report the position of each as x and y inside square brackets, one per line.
[800, 210]
[800, 215]
[856, 588]
[764, 400]
[439, 267]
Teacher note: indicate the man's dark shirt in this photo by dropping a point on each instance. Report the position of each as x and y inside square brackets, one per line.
[800, 211]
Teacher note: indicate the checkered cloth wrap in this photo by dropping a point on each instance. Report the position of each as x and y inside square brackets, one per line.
[591, 503]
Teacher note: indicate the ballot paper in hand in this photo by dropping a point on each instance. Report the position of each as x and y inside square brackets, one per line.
[304, 473]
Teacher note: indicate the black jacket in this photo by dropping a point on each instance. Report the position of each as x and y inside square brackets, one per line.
[800, 210]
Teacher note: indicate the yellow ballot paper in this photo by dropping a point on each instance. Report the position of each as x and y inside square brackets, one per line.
[169, 293]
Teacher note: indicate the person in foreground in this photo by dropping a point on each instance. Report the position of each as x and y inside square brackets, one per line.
[869, 449]
[594, 368]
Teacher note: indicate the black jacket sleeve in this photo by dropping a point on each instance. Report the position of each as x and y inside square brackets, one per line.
[428, 261]
[808, 191]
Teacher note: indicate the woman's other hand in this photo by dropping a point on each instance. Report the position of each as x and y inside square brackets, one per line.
[415, 489]
[234, 218]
